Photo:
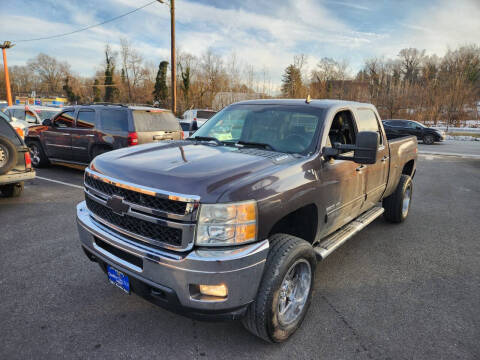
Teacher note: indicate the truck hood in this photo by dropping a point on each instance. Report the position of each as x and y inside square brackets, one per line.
[187, 167]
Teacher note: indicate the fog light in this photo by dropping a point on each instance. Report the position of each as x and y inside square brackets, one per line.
[214, 290]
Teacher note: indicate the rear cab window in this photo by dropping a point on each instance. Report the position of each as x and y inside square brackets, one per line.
[114, 120]
[65, 119]
[155, 120]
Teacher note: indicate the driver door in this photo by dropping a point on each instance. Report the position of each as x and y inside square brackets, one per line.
[342, 182]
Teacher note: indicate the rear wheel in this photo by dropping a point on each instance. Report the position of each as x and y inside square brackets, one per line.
[397, 205]
[8, 155]
[428, 139]
[12, 190]
[285, 291]
[39, 159]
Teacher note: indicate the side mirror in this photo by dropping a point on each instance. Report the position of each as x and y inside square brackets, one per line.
[47, 122]
[366, 147]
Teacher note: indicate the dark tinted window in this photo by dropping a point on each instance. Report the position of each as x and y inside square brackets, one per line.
[64, 120]
[86, 119]
[114, 120]
[185, 126]
[155, 120]
[201, 114]
[367, 121]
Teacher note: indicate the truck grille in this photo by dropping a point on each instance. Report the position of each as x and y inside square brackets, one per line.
[141, 227]
[166, 205]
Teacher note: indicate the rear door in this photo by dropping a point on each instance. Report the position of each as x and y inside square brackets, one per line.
[376, 174]
[58, 137]
[83, 135]
[414, 129]
[156, 125]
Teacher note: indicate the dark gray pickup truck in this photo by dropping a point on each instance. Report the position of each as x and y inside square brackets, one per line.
[231, 222]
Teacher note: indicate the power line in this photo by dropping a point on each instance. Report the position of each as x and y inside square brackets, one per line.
[87, 27]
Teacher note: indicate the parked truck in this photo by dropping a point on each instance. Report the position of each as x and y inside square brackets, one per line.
[231, 222]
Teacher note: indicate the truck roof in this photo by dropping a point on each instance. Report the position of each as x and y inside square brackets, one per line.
[323, 103]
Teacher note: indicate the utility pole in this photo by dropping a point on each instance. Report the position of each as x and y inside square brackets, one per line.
[173, 60]
[7, 45]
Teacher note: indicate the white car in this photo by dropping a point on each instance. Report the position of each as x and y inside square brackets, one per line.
[23, 116]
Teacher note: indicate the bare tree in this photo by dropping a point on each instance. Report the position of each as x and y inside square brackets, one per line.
[50, 71]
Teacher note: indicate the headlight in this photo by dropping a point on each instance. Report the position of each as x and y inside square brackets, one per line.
[227, 224]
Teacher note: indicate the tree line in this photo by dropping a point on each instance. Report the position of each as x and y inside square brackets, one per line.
[413, 85]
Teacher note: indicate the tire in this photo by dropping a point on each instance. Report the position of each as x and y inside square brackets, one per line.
[8, 155]
[397, 205]
[263, 317]
[12, 190]
[428, 139]
[39, 158]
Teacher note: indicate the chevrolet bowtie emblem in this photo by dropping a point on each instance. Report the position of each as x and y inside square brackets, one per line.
[117, 205]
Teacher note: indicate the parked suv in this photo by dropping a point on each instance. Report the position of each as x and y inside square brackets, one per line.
[15, 163]
[79, 133]
[398, 128]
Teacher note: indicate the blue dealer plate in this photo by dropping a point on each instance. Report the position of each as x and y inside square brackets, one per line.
[118, 279]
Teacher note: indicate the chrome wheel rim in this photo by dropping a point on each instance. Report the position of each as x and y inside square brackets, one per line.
[406, 200]
[3, 155]
[294, 292]
[35, 154]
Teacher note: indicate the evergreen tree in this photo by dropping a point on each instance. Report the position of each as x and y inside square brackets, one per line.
[72, 98]
[292, 82]
[96, 92]
[110, 89]
[160, 92]
[185, 83]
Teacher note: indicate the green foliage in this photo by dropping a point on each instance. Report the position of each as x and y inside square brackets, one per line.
[160, 92]
[72, 98]
[292, 82]
[96, 92]
[110, 89]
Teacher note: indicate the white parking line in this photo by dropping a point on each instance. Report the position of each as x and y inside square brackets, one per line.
[59, 182]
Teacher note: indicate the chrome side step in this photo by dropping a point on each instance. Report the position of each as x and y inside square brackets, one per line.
[339, 237]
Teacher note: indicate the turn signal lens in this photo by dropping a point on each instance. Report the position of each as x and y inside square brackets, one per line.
[19, 132]
[214, 290]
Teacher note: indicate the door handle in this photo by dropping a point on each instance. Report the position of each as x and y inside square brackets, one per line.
[360, 168]
[384, 158]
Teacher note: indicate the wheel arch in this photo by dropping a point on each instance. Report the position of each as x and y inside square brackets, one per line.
[302, 223]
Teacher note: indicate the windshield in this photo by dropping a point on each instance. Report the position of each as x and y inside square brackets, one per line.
[289, 129]
[155, 120]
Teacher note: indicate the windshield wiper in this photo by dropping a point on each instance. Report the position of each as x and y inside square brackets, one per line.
[206, 138]
[256, 144]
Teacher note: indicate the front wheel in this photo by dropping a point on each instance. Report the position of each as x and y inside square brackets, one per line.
[428, 139]
[285, 291]
[397, 205]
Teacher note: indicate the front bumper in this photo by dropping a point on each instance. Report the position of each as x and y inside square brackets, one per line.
[14, 177]
[167, 278]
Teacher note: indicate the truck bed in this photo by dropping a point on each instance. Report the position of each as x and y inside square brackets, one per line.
[403, 151]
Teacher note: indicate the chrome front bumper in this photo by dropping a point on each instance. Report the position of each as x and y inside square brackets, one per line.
[240, 269]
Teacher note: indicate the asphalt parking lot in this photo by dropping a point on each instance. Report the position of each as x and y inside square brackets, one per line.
[408, 291]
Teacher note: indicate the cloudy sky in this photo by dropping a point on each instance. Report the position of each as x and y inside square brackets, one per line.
[262, 32]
